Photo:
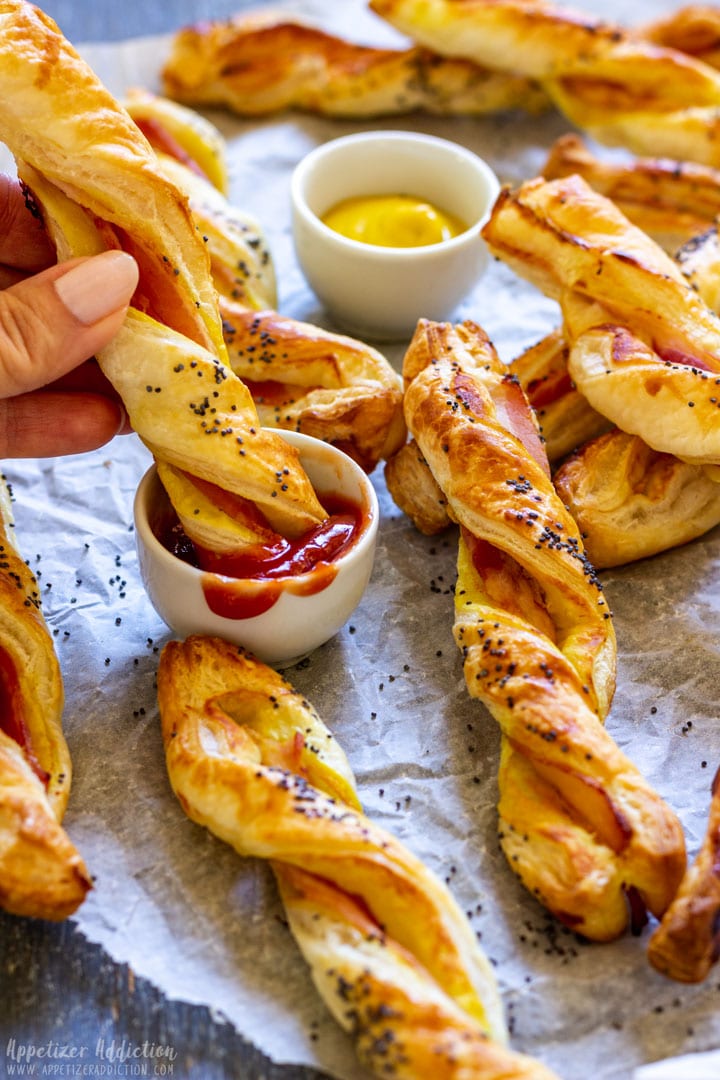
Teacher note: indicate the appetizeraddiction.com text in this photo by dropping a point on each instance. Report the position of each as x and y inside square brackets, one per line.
[109, 1059]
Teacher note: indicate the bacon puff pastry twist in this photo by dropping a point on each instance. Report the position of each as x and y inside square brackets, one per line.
[390, 952]
[686, 945]
[671, 201]
[620, 89]
[578, 823]
[301, 377]
[645, 349]
[99, 184]
[261, 63]
[41, 873]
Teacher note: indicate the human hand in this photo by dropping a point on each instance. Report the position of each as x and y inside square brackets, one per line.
[53, 398]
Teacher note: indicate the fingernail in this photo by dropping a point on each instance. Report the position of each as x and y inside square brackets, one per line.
[97, 287]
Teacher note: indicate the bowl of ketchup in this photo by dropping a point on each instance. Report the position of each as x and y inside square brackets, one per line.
[279, 601]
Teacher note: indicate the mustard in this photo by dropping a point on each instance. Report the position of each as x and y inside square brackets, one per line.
[392, 221]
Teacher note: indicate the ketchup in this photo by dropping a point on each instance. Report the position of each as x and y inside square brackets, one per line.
[247, 583]
[12, 718]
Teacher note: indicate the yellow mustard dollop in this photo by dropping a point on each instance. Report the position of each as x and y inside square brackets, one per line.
[392, 221]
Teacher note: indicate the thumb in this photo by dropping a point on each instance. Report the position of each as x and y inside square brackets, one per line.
[51, 322]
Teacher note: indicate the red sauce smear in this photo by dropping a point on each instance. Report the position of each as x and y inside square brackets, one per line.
[303, 566]
[548, 388]
[675, 356]
[12, 714]
[161, 139]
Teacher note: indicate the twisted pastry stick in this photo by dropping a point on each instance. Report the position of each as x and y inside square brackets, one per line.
[631, 502]
[301, 377]
[41, 873]
[620, 89]
[100, 185]
[694, 29]
[672, 201]
[578, 823]
[390, 952]
[645, 349]
[687, 943]
[262, 63]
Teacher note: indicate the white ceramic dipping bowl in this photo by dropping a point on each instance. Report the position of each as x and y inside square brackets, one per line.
[302, 616]
[381, 292]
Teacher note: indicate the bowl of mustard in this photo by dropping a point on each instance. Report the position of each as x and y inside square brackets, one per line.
[386, 228]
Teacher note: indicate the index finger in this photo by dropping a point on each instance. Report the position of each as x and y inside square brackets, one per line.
[24, 244]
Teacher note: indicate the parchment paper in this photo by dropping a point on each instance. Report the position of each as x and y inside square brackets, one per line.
[204, 925]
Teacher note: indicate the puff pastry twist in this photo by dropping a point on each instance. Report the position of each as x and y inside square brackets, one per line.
[261, 63]
[99, 184]
[645, 348]
[604, 79]
[42, 874]
[301, 377]
[686, 945]
[578, 823]
[390, 952]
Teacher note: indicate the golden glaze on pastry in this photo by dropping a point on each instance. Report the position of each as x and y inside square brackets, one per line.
[415, 490]
[300, 377]
[694, 29]
[390, 952]
[578, 823]
[566, 419]
[262, 63]
[41, 873]
[686, 945]
[99, 185]
[672, 201]
[631, 502]
[620, 89]
[645, 349]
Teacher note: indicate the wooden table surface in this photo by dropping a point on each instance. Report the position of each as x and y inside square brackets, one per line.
[55, 987]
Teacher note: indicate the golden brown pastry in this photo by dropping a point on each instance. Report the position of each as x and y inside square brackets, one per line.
[672, 201]
[41, 873]
[415, 490]
[618, 88]
[578, 823]
[566, 419]
[631, 502]
[390, 952]
[99, 184]
[301, 377]
[694, 29]
[264, 62]
[686, 945]
[645, 349]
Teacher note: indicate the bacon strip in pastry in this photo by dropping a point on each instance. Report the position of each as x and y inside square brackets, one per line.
[686, 945]
[604, 79]
[99, 184]
[390, 952]
[261, 63]
[41, 873]
[578, 823]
